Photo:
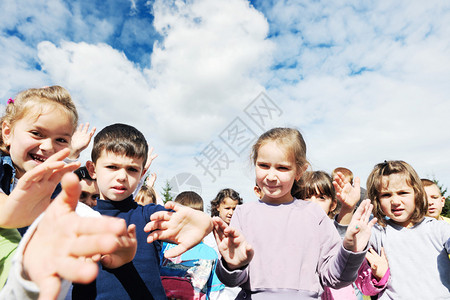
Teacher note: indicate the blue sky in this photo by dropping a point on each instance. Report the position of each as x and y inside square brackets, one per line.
[364, 81]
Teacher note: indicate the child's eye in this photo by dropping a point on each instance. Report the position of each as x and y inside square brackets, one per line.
[133, 170]
[385, 195]
[36, 133]
[263, 166]
[62, 141]
[111, 167]
[283, 168]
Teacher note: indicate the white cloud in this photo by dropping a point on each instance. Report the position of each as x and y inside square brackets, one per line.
[208, 64]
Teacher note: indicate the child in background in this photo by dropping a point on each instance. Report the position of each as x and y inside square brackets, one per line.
[191, 275]
[89, 189]
[291, 248]
[36, 133]
[119, 155]
[436, 201]
[412, 242]
[318, 188]
[147, 194]
[224, 204]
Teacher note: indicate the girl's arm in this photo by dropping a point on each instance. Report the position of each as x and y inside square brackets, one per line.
[32, 194]
[235, 251]
[359, 230]
[372, 279]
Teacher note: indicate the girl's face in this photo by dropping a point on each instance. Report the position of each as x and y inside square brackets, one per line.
[32, 139]
[326, 202]
[276, 172]
[397, 199]
[226, 209]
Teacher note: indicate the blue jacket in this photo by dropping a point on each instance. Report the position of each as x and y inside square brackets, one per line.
[139, 279]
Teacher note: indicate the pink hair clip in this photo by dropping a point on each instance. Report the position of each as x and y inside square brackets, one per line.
[10, 101]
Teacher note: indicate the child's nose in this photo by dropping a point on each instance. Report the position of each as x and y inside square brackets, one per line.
[121, 174]
[46, 144]
[271, 175]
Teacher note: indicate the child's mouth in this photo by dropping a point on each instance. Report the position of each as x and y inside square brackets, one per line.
[38, 158]
[397, 212]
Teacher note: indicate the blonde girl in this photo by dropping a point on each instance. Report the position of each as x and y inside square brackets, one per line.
[37, 128]
[416, 246]
[291, 248]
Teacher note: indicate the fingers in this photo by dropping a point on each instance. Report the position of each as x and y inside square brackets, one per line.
[76, 270]
[175, 251]
[69, 195]
[357, 183]
[49, 288]
[59, 156]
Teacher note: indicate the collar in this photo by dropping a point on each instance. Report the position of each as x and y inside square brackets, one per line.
[123, 205]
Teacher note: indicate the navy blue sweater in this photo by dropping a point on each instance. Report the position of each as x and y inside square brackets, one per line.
[139, 279]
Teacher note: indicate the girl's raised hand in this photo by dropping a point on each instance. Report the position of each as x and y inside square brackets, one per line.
[80, 140]
[182, 225]
[378, 263]
[360, 228]
[232, 245]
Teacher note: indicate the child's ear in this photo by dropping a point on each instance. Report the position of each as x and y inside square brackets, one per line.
[90, 166]
[333, 205]
[6, 132]
[301, 171]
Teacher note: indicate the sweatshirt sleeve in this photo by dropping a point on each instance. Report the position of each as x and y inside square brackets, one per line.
[367, 283]
[17, 286]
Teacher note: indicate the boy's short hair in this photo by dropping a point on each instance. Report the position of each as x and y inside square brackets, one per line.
[83, 173]
[428, 182]
[190, 199]
[346, 172]
[121, 139]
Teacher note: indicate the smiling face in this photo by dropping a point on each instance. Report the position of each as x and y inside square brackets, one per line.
[34, 138]
[397, 199]
[117, 175]
[435, 201]
[276, 172]
[226, 209]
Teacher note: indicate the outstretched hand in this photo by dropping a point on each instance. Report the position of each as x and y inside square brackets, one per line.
[126, 250]
[80, 140]
[360, 228]
[183, 226]
[63, 239]
[32, 194]
[378, 263]
[232, 245]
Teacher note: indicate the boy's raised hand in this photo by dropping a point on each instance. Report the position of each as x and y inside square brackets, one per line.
[232, 245]
[360, 228]
[183, 226]
[80, 140]
[32, 194]
[63, 239]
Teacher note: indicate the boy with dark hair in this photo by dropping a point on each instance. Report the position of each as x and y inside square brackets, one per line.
[119, 155]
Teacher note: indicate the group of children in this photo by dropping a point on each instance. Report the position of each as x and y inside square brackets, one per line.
[308, 236]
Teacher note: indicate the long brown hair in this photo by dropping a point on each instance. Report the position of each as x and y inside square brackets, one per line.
[375, 185]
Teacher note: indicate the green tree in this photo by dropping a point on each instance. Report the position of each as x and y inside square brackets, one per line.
[166, 192]
[446, 209]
